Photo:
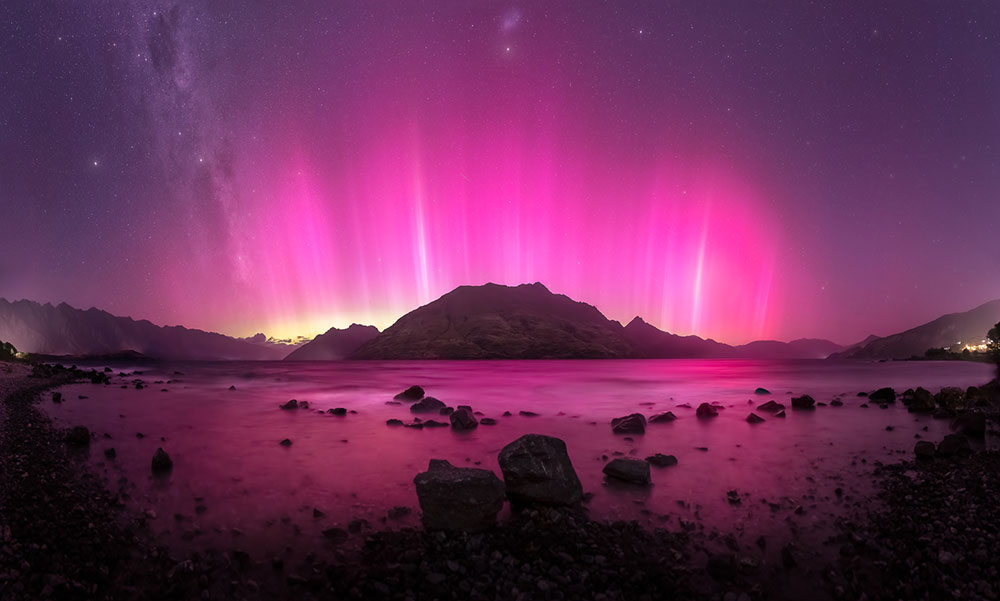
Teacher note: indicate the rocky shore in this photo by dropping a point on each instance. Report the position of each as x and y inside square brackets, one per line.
[65, 535]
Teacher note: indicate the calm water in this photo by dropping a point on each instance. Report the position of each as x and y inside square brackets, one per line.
[225, 443]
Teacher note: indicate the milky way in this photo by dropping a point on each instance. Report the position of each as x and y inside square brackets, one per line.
[731, 171]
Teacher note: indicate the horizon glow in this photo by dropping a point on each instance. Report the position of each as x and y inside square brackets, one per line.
[714, 170]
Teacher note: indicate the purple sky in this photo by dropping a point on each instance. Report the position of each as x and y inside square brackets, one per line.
[738, 171]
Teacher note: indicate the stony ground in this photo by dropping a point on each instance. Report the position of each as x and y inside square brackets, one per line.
[63, 535]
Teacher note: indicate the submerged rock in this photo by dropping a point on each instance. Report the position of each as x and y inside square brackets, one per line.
[394, 422]
[661, 460]
[762, 391]
[488, 421]
[292, 404]
[803, 402]
[286, 442]
[628, 470]
[463, 418]
[770, 407]
[161, 461]
[780, 414]
[662, 418]
[413, 393]
[630, 424]
[537, 470]
[753, 418]
[110, 453]
[339, 411]
[458, 499]
[705, 411]
[527, 414]
[427, 405]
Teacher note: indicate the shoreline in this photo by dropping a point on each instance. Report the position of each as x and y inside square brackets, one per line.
[81, 518]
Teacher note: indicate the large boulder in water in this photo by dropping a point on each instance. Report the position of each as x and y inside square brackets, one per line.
[292, 404]
[921, 402]
[161, 461]
[762, 391]
[950, 397]
[883, 395]
[463, 418]
[427, 405]
[538, 471]
[970, 424]
[705, 411]
[924, 450]
[953, 444]
[630, 424]
[662, 418]
[628, 470]
[661, 460]
[413, 393]
[771, 407]
[803, 402]
[458, 498]
[753, 418]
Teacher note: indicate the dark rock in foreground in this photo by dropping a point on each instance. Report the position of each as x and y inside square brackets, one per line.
[628, 470]
[458, 499]
[924, 449]
[537, 471]
[970, 424]
[630, 424]
[705, 411]
[161, 461]
[953, 444]
[753, 418]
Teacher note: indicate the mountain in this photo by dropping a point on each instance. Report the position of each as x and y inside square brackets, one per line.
[651, 342]
[64, 330]
[500, 322]
[946, 331]
[334, 344]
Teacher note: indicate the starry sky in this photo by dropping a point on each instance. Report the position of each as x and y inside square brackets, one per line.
[730, 169]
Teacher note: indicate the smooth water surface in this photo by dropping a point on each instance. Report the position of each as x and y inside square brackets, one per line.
[259, 495]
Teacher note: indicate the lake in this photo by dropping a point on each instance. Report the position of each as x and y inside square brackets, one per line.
[233, 484]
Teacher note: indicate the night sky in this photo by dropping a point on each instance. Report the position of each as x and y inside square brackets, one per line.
[732, 169]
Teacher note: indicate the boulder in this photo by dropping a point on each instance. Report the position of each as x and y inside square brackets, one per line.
[56, 397]
[921, 402]
[458, 498]
[446, 410]
[413, 393]
[338, 411]
[803, 402]
[628, 470]
[753, 418]
[110, 453]
[488, 421]
[661, 460]
[770, 407]
[705, 411]
[394, 422]
[463, 418]
[970, 424]
[433, 423]
[836, 403]
[79, 436]
[527, 414]
[950, 397]
[924, 450]
[953, 444]
[883, 395]
[662, 418]
[292, 404]
[630, 424]
[762, 391]
[287, 442]
[942, 413]
[427, 405]
[537, 470]
[780, 414]
[161, 461]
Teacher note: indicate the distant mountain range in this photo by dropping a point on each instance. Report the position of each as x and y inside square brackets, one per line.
[953, 331]
[471, 322]
[529, 322]
[334, 344]
[63, 330]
